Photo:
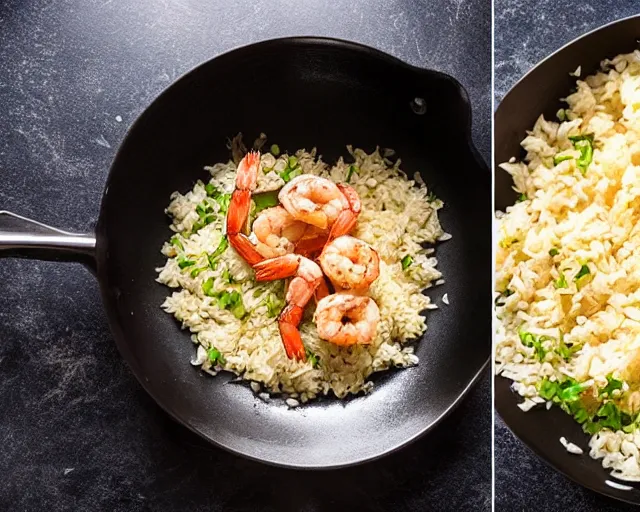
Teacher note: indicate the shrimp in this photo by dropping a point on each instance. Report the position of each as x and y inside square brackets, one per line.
[277, 232]
[239, 206]
[307, 276]
[350, 263]
[345, 319]
[321, 203]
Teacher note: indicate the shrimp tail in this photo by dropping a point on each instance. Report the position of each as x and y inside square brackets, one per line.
[288, 323]
[245, 248]
[239, 206]
[280, 267]
[347, 219]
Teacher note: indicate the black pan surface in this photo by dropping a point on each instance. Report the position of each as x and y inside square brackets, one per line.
[539, 92]
[302, 92]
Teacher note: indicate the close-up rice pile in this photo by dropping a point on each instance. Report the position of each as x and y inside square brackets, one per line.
[568, 265]
[238, 330]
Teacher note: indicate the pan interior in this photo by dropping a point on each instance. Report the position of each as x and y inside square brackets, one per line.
[539, 92]
[301, 93]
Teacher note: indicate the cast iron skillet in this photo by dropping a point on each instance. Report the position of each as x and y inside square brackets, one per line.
[302, 92]
[539, 92]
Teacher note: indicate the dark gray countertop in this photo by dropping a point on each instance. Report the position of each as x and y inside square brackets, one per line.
[77, 432]
[526, 32]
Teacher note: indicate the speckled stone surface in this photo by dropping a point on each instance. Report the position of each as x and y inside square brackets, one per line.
[526, 31]
[77, 432]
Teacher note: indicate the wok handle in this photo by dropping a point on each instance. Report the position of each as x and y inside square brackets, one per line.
[25, 238]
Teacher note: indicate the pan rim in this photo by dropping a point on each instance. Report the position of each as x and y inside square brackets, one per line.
[496, 378]
[120, 337]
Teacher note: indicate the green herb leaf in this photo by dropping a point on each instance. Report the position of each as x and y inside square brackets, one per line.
[584, 270]
[275, 149]
[608, 416]
[215, 356]
[184, 262]
[265, 200]
[548, 389]
[561, 282]
[175, 241]
[233, 302]
[197, 271]
[226, 275]
[561, 158]
[312, 358]
[352, 169]
[612, 385]
[567, 351]
[223, 200]
[553, 252]
[572, 392]
[211, 190]
[274, 305]
[531, 340]
[207, 288]
[583, 277]
[222, 246]
[407, 261]
[584, 144]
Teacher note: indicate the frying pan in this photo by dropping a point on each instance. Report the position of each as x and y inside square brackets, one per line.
[302, 92]
[539, 92]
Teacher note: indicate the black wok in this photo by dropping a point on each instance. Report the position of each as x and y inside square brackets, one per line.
[539, 92]
[302, 92]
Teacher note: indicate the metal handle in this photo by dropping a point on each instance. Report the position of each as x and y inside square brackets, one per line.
[26, 238]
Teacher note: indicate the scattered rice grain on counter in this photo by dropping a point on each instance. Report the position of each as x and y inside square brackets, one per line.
[568, 265]
[241, 336]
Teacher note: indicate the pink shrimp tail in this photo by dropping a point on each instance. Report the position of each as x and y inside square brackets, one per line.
[347, 219]
[280, 267]
[288, 323]
[247, 174]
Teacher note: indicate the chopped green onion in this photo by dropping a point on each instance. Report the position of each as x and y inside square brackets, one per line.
[222, 246]
[531, 340]
[565, 351]
[561, 158]
[211, 190]
[612, 385]
[583, 277]
[352, 169]
[521, 197]
[275, 149]
[431, 197]
[561, 282]
[312, 358]
[215, 356]
[407, 261]
[553, 252]
[197, 271]
[184, 262]
[226, 275]
[584, 144]
[274, 305]
[233, 302]
[265, 200]
[292, 162]
[175, 241]
[561, 115]
[207, 288]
